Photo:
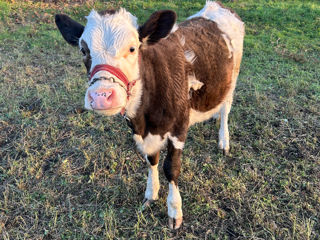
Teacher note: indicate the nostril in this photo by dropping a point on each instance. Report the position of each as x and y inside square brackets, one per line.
[103, 95]
[109, 94]
[101, 98]
[100, 93]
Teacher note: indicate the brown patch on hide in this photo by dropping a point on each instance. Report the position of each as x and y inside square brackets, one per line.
[164, 71]
[165, 104]
[212, 65]
[87, 57]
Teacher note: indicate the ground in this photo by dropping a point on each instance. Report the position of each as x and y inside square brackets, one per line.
[66, 173]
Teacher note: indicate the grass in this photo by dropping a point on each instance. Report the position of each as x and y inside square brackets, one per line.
[68, 174]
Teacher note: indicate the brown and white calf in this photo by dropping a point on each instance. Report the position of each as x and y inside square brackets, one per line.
[163, 77]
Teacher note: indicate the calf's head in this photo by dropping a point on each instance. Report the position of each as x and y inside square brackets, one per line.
[111, 44]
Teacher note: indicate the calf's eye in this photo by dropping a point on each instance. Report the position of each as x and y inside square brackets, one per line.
[132, 49]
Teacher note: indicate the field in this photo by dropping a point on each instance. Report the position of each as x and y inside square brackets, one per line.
[66, 173]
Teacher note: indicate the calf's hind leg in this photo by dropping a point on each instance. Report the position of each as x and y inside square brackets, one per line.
[171, 169]
[224, 131]
[153, 185]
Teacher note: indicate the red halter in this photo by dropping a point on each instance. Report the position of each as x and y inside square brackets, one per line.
[116, 72]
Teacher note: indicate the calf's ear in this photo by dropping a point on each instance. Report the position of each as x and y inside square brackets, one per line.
[157, 26]
[69, 28]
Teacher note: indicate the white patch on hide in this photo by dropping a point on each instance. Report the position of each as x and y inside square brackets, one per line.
[174, 202]
[194, 83]
[176, 143]
[151, 144]
[190, 56]
[229, 44]
[153, 184]
[197, 116]
[182, 40]
[227, 22]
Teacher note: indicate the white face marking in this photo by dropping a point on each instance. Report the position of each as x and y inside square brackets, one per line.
[174, 202]
[113, 39]
[153, 184]
[109, 39]
[151, 144]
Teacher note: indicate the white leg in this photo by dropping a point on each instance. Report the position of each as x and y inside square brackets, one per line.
[174, 203]
[224, 132]
[153, 185]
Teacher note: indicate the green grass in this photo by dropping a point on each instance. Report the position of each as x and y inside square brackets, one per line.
[67, 174]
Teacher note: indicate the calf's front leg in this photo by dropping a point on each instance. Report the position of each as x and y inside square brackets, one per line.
[171, 169]
[153, 185]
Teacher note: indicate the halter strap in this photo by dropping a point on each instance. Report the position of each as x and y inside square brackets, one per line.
[113, 70]
[116, 72]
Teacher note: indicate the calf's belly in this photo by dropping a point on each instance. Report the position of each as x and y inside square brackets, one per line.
[198, 116]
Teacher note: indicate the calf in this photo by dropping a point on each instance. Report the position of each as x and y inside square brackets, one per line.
[163, 77]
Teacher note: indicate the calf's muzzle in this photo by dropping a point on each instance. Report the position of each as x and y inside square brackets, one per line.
[102, 98]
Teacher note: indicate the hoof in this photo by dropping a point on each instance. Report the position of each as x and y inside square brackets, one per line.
[225, 152]
[147, 203]
[175, 224]
[225, 149]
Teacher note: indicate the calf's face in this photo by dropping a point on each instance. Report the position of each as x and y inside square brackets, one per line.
[110, 39]
[113, 39]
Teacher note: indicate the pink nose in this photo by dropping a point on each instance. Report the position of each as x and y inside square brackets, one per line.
[101, 99]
